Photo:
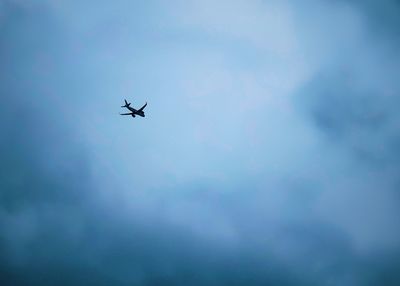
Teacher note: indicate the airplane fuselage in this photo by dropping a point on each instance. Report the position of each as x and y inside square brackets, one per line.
[136, 112]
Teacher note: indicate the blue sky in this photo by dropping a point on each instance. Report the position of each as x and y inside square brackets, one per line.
[268, 154]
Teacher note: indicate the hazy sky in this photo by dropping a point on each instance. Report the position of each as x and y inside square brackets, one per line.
[269, 154]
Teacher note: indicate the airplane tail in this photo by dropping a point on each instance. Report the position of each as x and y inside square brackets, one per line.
[126, 104]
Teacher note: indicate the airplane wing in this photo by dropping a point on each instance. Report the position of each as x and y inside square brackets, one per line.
[141, 109]
[125, 113]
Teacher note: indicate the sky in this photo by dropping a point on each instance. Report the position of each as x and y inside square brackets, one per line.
[269, 154]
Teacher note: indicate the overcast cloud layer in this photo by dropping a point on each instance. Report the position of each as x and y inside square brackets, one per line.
[269, 154]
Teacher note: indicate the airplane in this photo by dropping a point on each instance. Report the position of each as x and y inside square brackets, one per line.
[133, 112]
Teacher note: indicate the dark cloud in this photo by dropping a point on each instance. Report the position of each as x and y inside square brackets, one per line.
[352, 101]
[56, 229]
[382, 18]
[348, 113]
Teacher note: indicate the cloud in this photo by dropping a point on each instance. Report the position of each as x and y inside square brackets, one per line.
[288, 186]
[351, 104]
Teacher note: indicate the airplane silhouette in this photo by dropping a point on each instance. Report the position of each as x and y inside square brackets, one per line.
[133, 112]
